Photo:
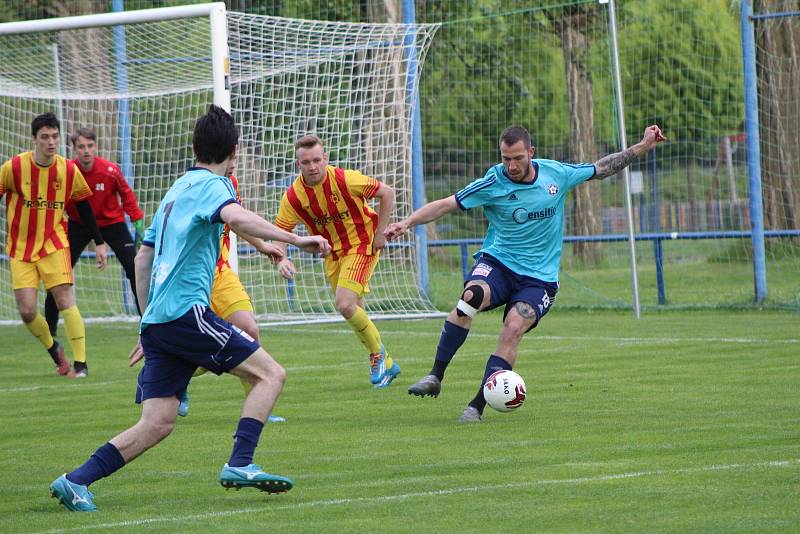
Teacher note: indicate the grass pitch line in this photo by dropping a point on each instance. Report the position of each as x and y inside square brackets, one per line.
[734, 340]
[447, 491]
[64, 384]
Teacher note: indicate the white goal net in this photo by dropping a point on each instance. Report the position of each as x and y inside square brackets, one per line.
[142, 86]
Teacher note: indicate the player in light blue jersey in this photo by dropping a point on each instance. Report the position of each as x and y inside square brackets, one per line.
[179, 332]
[523, 200]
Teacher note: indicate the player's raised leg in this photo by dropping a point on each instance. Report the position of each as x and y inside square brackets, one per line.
[476, 296]
[527, 305]
[266, 377]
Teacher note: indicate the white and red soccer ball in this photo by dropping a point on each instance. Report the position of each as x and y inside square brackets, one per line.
[504, 391]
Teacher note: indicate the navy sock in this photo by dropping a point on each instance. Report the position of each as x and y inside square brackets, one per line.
[245, 441]
[493, 364]
[102, 463]
[450, 340]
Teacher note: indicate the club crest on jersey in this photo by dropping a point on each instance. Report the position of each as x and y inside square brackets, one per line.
[57, 183]
[334, 197]
[552, 189]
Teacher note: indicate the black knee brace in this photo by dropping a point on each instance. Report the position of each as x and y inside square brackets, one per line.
[472, 306]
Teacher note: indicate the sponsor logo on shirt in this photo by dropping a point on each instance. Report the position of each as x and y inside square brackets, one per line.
[482, 270]
[341, 216]
[45, 204]
[521, 215]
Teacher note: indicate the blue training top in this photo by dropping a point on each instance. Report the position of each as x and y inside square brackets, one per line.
[185, 233]
[526, 220]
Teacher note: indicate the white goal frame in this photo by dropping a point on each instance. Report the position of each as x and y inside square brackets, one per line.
[223, 81]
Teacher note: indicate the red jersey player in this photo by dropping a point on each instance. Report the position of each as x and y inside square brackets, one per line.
[109, 187]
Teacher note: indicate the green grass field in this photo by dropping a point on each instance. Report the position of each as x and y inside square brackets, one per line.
[678, 422]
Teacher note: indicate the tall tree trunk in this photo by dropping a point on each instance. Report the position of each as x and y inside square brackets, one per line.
[778, 60]
[575, 30]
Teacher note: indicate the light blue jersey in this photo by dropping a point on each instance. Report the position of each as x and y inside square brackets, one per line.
[185, 233]
[526, 221]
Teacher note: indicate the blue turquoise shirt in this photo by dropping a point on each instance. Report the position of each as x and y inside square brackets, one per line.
[185, 233]
[526, 220]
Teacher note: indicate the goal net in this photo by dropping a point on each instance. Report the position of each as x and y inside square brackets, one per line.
[142, 86]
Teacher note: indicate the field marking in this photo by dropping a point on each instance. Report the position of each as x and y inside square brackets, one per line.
[449, 491]
[745, 340]
[343, 331]
[64, 384]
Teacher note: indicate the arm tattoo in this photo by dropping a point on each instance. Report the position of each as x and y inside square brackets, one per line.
[525, 310]
[613, 163]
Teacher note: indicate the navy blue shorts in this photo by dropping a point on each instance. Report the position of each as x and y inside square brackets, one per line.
[508, 287]
[174, 350]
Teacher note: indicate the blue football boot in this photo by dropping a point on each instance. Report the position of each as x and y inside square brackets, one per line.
[377, 366]
[252, 476]
[75, 497]
[388, 375]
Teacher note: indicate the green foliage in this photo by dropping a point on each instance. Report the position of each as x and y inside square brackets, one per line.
[681, 68]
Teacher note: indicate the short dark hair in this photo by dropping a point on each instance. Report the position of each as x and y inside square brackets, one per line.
[514, 134]
[215, 136]
[307, 141]
[44, 120]
[84, 131]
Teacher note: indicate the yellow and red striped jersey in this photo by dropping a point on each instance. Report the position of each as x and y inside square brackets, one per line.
[336, 208]
[225, 241]
[35, 200]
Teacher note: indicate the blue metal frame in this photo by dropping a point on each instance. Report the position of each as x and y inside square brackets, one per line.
[655, 237]
[126, 160]
[417, 169]
[753, 151]
[656, 227]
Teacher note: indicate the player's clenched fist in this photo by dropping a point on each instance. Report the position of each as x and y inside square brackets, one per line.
[395, 229]
[315, 244]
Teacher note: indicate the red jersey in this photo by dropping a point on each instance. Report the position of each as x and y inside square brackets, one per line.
[108, 186]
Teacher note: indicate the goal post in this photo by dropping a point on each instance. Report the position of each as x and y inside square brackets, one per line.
[280, 78]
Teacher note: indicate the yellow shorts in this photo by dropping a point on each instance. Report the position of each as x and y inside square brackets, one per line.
[228, 295]
[54, 270]
[352, 271]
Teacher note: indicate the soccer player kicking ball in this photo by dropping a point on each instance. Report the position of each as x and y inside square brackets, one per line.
[38, 184]
[523, 199]
[332, 202]
[179, 333]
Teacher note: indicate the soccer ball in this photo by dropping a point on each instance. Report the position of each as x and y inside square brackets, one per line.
[504, 391]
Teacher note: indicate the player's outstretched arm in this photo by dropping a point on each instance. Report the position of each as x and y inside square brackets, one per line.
[243, 221]
[613, 163]
[427, 213]
[274, 252]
